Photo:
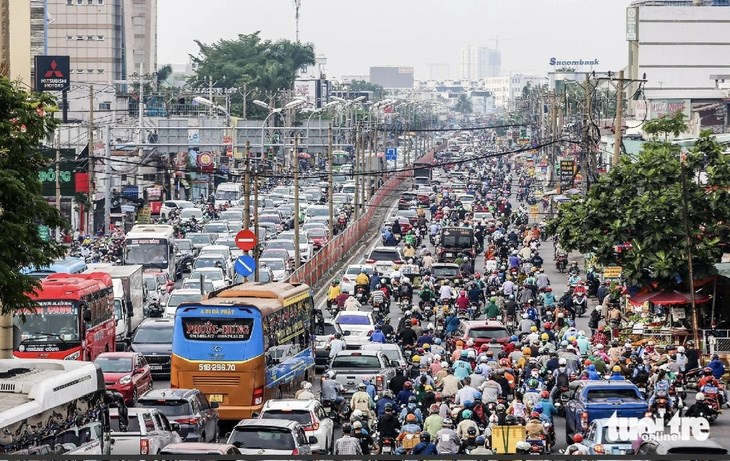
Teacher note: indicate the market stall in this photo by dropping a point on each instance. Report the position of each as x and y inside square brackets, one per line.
[663, 317]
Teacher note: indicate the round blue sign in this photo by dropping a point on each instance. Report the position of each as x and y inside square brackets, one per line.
[245, 265]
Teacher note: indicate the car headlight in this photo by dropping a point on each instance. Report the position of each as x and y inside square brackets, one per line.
[125, 379]
[74, 356]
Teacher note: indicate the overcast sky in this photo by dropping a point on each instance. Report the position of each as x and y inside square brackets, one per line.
[355, 35]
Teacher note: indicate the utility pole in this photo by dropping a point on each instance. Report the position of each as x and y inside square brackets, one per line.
[618, 129]
[247, 188]
[297, 256]
[210, 95]
[245, 95]
[5, 65]
[58, 170]
[586, 143]
[688, 236]
[107, 177]
[92, 161]
[364, 168]
[357, 169]
[256, 223]
[330, 183]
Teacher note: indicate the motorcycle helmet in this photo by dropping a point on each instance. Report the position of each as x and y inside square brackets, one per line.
[416, 359]
[707, 371]
[562, 362]
[466, 414]
[412, 399]
[699, 397]
[425, 437]
[523, 447]
[510, 420]
[408, 385]
[357, 414]
[534, 415]
[616, 369]
[538, 408]
[411, 418]
[331, 374]
[480, 440]
[532, 383]
[680, 350]
[544, 394]
[471, 432]
[357, 425]
[578, 438]
[500, 407]
[447, 422]
[388, 406]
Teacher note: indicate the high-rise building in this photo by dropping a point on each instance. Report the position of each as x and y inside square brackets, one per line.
[106, 40]
[438, 71]
[480, 62]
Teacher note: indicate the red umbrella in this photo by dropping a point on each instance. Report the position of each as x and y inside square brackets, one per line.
[304, 155]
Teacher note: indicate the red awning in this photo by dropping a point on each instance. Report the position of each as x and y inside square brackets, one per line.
[668, 298]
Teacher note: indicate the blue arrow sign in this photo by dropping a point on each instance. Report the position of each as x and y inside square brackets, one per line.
[391, 153]
[245, 265]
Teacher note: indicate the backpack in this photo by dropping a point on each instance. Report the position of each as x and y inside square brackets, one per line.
[562, 380]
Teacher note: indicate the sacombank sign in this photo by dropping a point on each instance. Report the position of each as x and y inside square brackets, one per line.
[573, 62]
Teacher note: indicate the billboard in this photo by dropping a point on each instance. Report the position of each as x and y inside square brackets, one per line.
[392, 77]
[658, 108]
[52, 73]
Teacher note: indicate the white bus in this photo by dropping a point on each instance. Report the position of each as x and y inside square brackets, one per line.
[153, 247]
[51, 407]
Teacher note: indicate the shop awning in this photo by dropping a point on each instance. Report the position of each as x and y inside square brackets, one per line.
[667, 298]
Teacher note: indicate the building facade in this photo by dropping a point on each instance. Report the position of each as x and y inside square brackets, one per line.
[480, 62]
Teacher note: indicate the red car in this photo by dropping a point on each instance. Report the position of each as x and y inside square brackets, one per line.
[489, 332]
[127, 373]
[318, 237]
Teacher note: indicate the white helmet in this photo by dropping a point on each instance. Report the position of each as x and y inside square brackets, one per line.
[306, 385]
[699, 397]
[562, 361]
[357, 414]
[444, 364]
[432, 327]
[436, 358]
[598, 307]
[680, 350]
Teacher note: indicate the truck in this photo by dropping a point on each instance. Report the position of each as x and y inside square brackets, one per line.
[422, 170]
[147, 432]
[129, 299]
[456, 241]
[591, 400]
[228, 193]
[352, 367]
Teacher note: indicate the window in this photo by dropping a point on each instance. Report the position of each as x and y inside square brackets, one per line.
[100, 37]
[91, 2]
[69, 2]
[149, 423]
[105, 106]
[99, 2]
[79, 2]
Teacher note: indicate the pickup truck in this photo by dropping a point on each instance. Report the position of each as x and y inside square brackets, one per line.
[353, 367]
[589, 400]
[147, 432]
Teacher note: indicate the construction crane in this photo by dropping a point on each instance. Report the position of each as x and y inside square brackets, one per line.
[297, 5]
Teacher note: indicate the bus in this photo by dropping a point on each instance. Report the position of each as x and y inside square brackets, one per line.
[52, 407]
[73, 319]
[339, 158]
[68, 265]
[228, 192]
[245, 344]
[153, 247]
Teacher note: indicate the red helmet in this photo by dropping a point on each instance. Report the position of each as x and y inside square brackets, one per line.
[535, 414]
[548, 326]
[484, 348]
[407, 385]
[477, 275]
[578, 438]
[549, 289]
[414, 321]
[544, 394]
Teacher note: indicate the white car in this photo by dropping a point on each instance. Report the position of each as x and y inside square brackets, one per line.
[285, 244]
[356, 326]
[214, 260]
[187, 214]
[179, 296]
[219, 228]
[305, 246]
[384, 258]
[174, 205]
[347, 281]
[278, 267]
[309, 414]
[214, 274]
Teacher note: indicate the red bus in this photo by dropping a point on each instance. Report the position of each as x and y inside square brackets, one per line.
[74, 319]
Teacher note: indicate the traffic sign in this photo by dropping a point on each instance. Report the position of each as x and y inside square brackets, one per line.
[391, 153]
[245, 265]
[245, 239]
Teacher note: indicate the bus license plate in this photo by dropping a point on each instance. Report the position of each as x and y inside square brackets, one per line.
[218, 398]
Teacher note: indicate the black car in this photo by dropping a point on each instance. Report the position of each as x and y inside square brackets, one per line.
[198, 419]
[153, 339]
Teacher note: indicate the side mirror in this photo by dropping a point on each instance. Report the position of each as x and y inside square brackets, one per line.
[175, 426]
[214, 405]
[139, 371]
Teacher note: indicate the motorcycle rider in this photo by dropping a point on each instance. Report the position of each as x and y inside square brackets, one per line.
[448, 440]
[700, 408]
[469, 442]
[352, 304]
[336, 345]
[425, 447]
[388, 423]
[534, 429]
[333, 292]
[362, 401]
[411, 408]
[367, 444]
[377, 336]
[577, 447]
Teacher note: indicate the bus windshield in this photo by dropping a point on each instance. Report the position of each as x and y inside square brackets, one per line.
[227, 195]
[52, 322]
[147, 252]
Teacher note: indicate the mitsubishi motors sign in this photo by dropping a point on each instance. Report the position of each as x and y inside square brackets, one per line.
[52, 73]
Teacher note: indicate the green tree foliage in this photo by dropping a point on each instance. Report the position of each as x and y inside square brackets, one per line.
[25, 122]
[463, 104]
[362, 85]
[641, 202]
[263, 66]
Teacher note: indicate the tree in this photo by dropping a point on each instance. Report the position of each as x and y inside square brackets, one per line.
[261, 65]
[25, 123]
[641, 203]
[162, 74]
[463, 104]
[362, 85]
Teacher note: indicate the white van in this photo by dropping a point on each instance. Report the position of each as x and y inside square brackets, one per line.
[228, 192]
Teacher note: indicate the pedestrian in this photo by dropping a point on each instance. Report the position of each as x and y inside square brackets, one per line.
[347, 444]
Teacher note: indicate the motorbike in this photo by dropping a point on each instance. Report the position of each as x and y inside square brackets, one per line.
[561, 400]
[377, 313]
[538, 446]
[330, 410]
[660, 409]
[387, 445]
[712, 399]
[361, 294]
[580, 304]
[561, 263]
[472, 311]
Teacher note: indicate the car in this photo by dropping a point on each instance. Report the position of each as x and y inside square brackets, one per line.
[491, 332]
[305, 246]
[347, 280]
[194, 284]
[179, 296]
[409, 216]
[201, 239]
[153, 338]
[223, 250]
[197, 448]
[599, 442]
[232, 247]
[356, 327]
[352, 367]
[214, 260]
[279, 253]
[322, 221]
[324, 334]
[485, 217]
[278, 267]
[590, 400]
[127, 373]
[214, 274]
[318, 236]
[466, 201]
[185, 255]
[318, 210]
[406, 200]
[309, 414]
[384, 258]
[218, 228]
[198, 419]
[273, 218]
[187, 215]
[681, 448]
[265, 275]
[174, 205]
[286, 244]
[445, 271]
[392, 351]
[270, 437]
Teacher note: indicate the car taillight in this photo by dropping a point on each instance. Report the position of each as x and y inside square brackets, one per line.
[295, 451]
[379, 382]
[191, 421]
[144, 446]
[398, 262]
[599, 449]
[314, 426]
[258, 395]
[584, 420]
[370, 261]
[345, 279]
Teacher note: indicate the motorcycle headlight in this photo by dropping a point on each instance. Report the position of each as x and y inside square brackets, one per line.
[74, 356]
[125, 379]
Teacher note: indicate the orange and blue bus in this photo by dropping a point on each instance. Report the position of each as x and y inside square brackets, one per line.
[245, 344]
[73, 319]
